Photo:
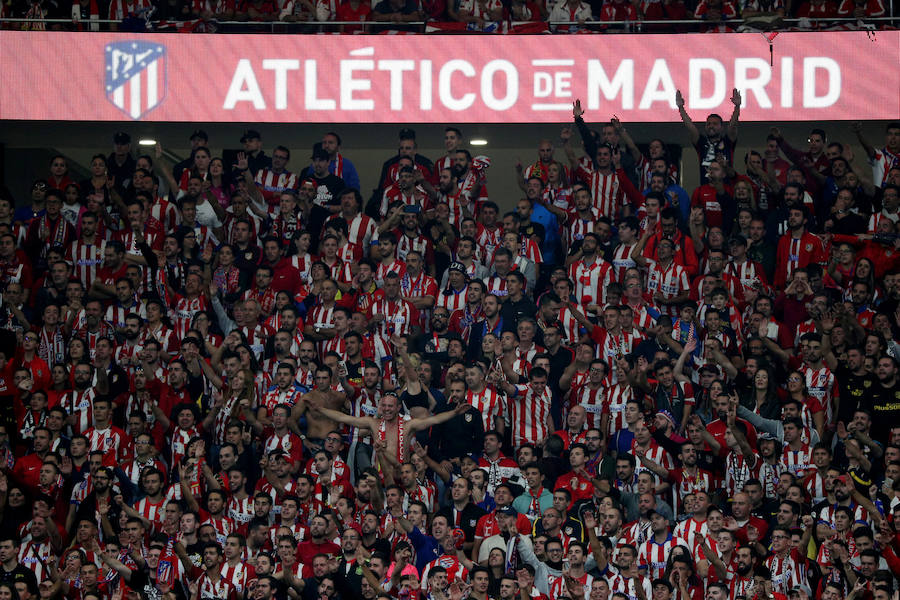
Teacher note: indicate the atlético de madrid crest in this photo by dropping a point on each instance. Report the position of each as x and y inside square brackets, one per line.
[135, 76]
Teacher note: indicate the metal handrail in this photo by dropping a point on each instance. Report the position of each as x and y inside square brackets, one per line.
[791, 20]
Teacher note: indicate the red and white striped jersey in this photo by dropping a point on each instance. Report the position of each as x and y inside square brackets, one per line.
[571, 326]
[592, 400]
[289, 442]
[496, 284]
[241, 510]
[622, 261]
[653, 556]
[815, 486]
[395, 266]
[113, 442]
[364, 404]
[797, 462]
[606, 193]
[670, 282]
[451, 299]
[321, 316]
[577, 226]
[591, 281]
[208, 589]
[529, 415]
[277, 396]
[399, 316]
[882, 163]
[80, 404]
[183, 313]
[134, 468]
[86, 259]
[165, 212]
[393, 193]
[618, 583]
[487, 241]
[822, 385]
[686, 483]
[876, 218]
[860, 514]
[614, 402]
[489, 403]
[657, 454]
[271, 184]
[558, 587]
[223, 526]
[688, 530]
[739, 586]
[179, 442]
[787, 571]
[360, 230]
[455, 204]
[240, 575]
[36, 556]
[612, 345]
[155, 512]
[116, 313]
[738, 469]
[747, 272]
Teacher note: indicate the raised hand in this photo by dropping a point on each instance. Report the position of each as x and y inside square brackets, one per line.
[736, 97]
[577, 111]
[242, 161]
[679, 99]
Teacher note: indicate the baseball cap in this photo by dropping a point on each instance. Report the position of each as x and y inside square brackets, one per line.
[278, 453]
[739, 239]
[121, 138]
[319, 153]
[765, 435]
[845, 479]
[801, 588]
[407, 134]
[509, 511]
[250, 134]
[199, 134]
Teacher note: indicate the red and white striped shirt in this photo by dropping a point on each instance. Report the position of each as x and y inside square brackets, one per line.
[591, 281]
[395, 266]
[184, 311]
[86, 260]
[592, 400]
[451, 299]
[618, 583]
[155, 512]
[271, 184]
[239, 575]
[577, 227]
[208, 589]
[399, 316]
[653, 556]
[822, 385]
[797, 462]
[113, 442]
[622, 261]
[607, 195]
[529, 415]
[787, 571]
[670, 282]
[614, 405]
[489, 403]
[80, 404]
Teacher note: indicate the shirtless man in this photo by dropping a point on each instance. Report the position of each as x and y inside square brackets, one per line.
[323, 396]
[391, 433]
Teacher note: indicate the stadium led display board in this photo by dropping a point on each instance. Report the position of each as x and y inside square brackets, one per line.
[427, 78]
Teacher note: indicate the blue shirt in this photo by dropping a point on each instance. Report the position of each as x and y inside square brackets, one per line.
[427, 548]
[540, 214]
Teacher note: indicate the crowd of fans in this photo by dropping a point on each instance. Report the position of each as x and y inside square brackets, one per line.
[486, 16]
[247, 381]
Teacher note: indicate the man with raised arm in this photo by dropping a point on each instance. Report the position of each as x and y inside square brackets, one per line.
[716, 139]
[393, 433]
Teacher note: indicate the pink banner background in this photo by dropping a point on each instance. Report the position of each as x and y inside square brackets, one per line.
[464, 79]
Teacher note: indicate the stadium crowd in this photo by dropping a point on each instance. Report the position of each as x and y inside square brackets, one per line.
[484, 16]
[249, 382]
